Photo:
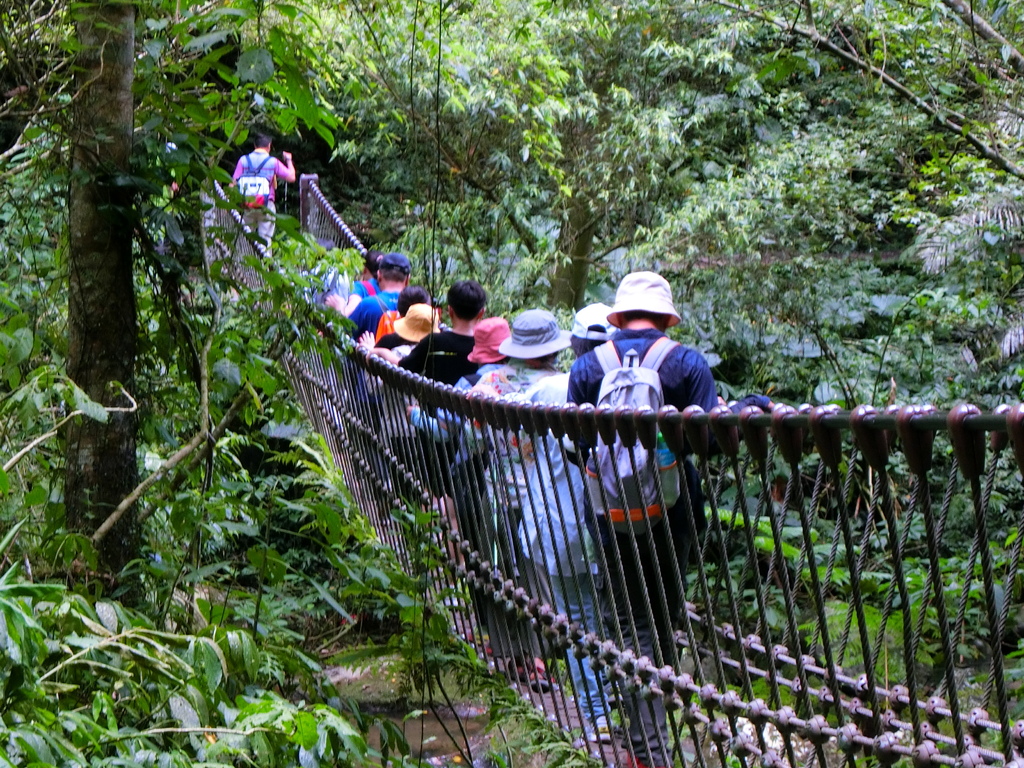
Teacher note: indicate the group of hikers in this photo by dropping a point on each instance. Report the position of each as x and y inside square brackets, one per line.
[598, 536]
[603, 537]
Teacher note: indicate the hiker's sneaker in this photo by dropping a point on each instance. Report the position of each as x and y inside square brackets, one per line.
[601, 732]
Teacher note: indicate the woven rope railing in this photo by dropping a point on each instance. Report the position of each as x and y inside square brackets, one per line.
[319, 218]
[853, 597]
[784, 652]
[319, 388]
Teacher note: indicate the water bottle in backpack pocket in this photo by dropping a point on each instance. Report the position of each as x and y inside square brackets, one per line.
[631, 486]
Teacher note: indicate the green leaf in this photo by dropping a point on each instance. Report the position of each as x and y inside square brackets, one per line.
[329, 599]
[228, 371]
[21, 347]
[88, 406]
[36, 496]
[255, 66]
[206, 42]
[182, 710]
[305, 734]
[243, 652]
[11, 533]
[269, 562]
[213, 664]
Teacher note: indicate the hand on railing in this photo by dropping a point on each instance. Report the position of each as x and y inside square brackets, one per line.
[367, 341]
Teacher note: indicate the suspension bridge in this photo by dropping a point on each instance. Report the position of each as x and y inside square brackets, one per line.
[852, 598]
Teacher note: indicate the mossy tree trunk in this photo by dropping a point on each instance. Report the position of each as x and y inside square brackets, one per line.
[575, 241]
[102, 320]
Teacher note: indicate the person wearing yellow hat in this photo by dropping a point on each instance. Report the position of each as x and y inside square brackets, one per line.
[418, 323]
[408, 333]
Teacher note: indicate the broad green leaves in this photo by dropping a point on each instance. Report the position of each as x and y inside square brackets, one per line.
[255, 66]
[82, 686]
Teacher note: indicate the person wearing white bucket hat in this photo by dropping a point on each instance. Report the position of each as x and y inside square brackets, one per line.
[642, 312]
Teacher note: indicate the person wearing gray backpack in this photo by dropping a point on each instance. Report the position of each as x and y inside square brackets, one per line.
[639, 498]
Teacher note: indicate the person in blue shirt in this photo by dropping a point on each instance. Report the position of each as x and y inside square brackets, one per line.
[642, 312]
[392, 277]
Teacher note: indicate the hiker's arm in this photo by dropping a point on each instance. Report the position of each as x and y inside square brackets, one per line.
[337, 303]
[353, 302]
[285, 168]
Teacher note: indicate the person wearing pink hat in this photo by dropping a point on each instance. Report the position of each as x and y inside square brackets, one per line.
[649, 560]
[487, 337]
[532, 349]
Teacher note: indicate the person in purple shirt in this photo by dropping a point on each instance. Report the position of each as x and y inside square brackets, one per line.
[260, 162]
[643, 311]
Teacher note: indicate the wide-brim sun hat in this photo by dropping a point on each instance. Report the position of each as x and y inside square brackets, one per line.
[487, 337]
[591, 323]
[419, 322]
[535, 333]
[643, 292]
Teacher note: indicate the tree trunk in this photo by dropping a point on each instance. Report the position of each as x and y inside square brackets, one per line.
[576, 240]
[102, 327]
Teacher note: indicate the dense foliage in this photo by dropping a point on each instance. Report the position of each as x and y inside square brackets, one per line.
[833, 188]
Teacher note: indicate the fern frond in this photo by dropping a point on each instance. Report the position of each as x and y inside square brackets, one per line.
[1011, 123]
[1013, 339]
[962, 237]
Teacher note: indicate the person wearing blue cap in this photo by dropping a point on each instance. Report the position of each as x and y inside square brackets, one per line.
[392, 276]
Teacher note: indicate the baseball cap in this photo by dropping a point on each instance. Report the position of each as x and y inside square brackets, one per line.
[397, 261]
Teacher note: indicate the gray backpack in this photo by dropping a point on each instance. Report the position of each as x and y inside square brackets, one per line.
[631, 499]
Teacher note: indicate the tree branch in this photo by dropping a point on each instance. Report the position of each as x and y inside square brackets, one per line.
[12, 462]
[980, 25]
[200, 439]
[937, 113]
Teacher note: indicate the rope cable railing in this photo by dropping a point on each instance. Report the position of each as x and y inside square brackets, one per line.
[875, 712]
[836, 594]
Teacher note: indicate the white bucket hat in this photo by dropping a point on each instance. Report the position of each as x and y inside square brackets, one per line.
[643, 292]
[535, 333]
[591, 323]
